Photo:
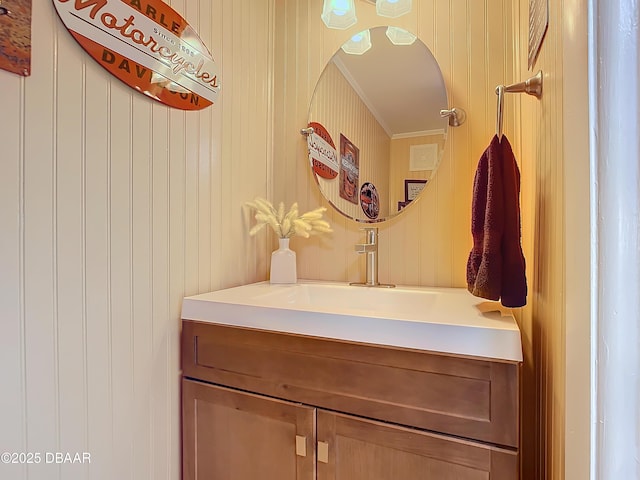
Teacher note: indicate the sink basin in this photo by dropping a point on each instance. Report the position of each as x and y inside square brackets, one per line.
[340, 298]
[447, 320]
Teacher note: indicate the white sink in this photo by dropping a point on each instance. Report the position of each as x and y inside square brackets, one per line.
[341, 298]
[448, 320]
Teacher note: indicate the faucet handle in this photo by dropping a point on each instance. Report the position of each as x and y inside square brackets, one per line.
[365, 247]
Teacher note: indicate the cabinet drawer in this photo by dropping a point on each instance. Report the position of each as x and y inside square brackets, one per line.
[467, 397]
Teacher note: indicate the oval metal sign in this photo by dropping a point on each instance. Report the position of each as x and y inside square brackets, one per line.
[322, 152]
[147, 45]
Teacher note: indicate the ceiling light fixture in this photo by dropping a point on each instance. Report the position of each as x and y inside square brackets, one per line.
[399, 36]
[358, 44]
[393, 8]
[339, 14]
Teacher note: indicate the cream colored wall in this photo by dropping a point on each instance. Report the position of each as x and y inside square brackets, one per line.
[478, 44]
[400, 159]
[340, 110]
[553, 145]
[112, 208]
[577, 244]
[538, 143]
[430, 242]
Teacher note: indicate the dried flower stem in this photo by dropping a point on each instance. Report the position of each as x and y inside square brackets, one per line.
[288, 224]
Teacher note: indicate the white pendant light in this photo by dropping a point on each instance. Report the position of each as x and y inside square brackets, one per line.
[339, 14]
[399, 36]
[393, 8]
[358, 44]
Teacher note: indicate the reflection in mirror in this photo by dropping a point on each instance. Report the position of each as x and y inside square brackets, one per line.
[381, 116]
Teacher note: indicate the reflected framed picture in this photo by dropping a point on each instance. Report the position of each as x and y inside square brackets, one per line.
[412, 189]
[402, 205]
[349, 170]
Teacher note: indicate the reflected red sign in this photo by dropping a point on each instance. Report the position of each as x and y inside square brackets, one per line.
[322, 152]
[148, 46]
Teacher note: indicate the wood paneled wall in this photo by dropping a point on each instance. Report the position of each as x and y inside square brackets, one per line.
[338, 107]
[478, 45]
[112, 208]
[401, 161]
[539, 144]
[430, 242]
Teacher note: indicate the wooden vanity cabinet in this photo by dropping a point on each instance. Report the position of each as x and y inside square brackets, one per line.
[278, 406]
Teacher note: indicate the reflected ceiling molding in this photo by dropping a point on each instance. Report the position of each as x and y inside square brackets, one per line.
[360, 92]
[358, 44]
[339, 14]
[393, 8]
[421, 133]
[399, 36]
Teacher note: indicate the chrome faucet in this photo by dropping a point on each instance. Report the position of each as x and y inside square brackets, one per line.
[370, 248]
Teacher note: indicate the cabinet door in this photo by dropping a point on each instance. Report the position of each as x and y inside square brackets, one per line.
[351, 448]
[232, 435]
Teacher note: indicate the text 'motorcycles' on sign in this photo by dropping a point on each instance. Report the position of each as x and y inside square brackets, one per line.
[147, 45]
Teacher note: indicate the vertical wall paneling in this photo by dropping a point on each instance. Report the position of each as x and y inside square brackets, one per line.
[96, 186]
[215, 146]
[478, 45]
[120, 227]
[114, 207]
[460, 152]
[341, 110]
[70, 362]
[541, 148]
[444, 182]
[142, 280]
[434, 232]
[39, 275]
[12, 326]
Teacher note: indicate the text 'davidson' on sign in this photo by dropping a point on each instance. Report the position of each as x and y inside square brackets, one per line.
[147, 45]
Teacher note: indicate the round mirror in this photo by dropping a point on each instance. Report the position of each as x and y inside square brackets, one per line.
[377, 134]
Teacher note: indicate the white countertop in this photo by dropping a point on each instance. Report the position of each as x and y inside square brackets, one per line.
[448, 320]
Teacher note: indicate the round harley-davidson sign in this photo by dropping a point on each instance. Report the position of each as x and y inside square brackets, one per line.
[147, 45]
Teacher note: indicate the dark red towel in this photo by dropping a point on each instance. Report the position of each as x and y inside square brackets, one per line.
[496, 265]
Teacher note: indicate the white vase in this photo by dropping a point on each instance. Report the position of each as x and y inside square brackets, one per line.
[283, 264]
